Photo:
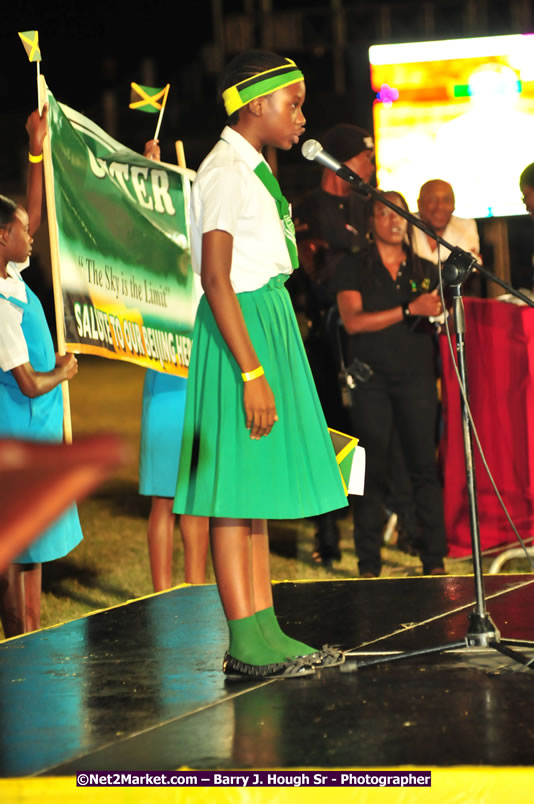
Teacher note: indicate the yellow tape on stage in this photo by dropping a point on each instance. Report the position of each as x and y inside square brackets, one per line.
[461, 785]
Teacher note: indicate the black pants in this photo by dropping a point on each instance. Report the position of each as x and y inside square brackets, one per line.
[407, 403]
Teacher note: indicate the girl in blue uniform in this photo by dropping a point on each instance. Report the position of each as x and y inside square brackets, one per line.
[255, 443]
[162, 422]
[30, 395]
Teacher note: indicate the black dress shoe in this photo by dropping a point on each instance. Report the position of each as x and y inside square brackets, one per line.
[235, 670]
[328, 656]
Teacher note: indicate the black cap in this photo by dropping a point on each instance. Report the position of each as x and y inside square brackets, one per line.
[345, 141]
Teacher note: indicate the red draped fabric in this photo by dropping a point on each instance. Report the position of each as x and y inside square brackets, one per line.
[500, 363]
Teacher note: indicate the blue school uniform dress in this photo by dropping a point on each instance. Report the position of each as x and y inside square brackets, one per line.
[38, 419]
[162, 422]
[292, 472]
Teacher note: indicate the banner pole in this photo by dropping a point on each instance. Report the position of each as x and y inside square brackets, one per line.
[163, 104]
[39, 92]
[56, 278]
[180, 153]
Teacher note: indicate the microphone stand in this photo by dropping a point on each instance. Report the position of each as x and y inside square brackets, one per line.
[482, 633]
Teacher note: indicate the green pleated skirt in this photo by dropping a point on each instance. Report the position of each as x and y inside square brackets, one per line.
[290, 473]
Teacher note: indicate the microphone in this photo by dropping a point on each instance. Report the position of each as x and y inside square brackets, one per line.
[314, 151]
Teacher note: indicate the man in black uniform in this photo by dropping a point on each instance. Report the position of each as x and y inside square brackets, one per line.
[331, 222]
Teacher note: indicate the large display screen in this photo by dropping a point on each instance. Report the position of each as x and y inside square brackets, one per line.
[461, 110]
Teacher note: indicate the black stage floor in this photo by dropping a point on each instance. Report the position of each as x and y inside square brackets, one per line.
[139, 686]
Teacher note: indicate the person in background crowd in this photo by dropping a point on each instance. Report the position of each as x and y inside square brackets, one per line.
[526, 183]
[331, 223]
[436, 204]
[521, 236]
[381, 295]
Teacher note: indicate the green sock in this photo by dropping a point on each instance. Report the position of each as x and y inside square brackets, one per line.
[247, 643]
[274, 636]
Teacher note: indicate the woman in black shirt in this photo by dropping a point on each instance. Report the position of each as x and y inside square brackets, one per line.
[382, 296]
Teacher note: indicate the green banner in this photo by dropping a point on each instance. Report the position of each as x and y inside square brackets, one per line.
[124, 255]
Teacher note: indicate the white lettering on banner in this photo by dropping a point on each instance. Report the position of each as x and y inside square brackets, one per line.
[183, 349]
[138, 174]
[92, 323]
[160, 188]
[98, 166]
[141, 179]
[120, 172]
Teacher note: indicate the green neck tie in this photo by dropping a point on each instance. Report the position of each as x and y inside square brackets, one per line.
[271, 184]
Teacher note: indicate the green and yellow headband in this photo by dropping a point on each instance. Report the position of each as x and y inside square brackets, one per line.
[261, 84]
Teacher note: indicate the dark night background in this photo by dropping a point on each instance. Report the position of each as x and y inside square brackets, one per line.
[89, 49]
[91, 53]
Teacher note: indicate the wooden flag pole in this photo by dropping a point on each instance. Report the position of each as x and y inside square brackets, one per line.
[163, 104]
[56, 278]
[180, 153]
[40, 103]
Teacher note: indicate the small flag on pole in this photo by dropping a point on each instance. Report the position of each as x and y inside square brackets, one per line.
[147, 99]
[30, 40]
[351, 461]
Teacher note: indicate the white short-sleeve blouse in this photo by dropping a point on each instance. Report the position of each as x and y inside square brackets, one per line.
[227, 195]
[13, 348]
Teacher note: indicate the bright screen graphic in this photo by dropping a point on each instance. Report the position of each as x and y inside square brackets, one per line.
[461, 110]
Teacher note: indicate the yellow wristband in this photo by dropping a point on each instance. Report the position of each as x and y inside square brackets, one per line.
[35, 159]
[251, 375]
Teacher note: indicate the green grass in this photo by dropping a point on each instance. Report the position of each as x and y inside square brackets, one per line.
[111, 566]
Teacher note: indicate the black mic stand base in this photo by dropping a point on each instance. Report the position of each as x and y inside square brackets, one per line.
[474, 643]
[482, 634]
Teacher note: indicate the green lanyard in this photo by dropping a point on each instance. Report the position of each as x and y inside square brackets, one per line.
[271, 184]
